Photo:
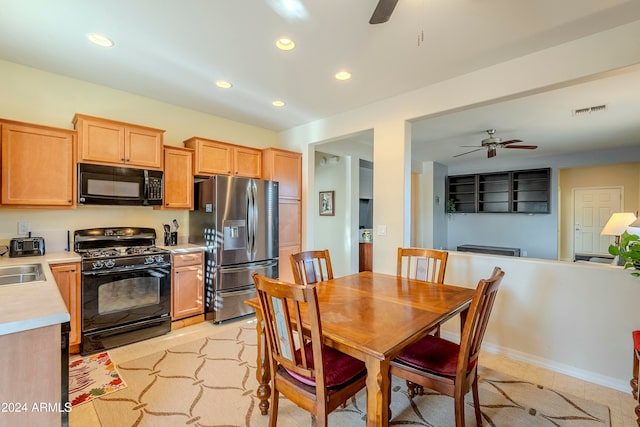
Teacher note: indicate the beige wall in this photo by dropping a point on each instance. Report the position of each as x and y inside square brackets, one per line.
[626, 175]
[34, 96]
[333, 232]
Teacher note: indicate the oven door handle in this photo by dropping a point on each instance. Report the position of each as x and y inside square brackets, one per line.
[126, 270]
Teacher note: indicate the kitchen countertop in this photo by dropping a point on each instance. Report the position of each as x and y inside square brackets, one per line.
[33, 305]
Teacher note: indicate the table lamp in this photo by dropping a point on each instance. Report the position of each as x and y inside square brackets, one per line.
[617, 225]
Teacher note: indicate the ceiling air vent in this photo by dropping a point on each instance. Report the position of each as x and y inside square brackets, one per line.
[589, 110]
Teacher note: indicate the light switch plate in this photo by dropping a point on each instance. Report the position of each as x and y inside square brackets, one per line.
[382, 230]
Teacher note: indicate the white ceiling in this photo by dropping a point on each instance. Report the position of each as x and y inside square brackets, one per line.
[174, 51]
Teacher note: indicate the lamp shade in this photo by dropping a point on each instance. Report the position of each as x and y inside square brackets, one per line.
[618, 223]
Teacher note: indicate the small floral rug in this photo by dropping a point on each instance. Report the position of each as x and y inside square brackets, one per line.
[91, 377]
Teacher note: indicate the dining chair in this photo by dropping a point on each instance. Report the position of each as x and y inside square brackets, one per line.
[447, 367]
[427, 265]
[311, 267]
[315, 377]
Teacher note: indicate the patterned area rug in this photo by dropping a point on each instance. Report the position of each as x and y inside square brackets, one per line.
[211, 382]
[92, 376]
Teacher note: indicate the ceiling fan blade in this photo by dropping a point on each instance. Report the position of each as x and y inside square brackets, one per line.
[491, 152]
[511, 141]
[472, 151]
[383, 11]
[472, 146]
[525, 147]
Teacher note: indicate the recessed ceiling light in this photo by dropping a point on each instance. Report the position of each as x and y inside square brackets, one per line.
[100, 39]
[285, 43]
[278, 103]
[223, 84]
[343, 75]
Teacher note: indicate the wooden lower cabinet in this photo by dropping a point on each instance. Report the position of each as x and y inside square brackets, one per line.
[285, 273]
[289, 235]
[366, 257]
[67, 277]
[187, 285]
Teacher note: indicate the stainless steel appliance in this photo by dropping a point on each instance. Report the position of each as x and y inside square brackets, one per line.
[111, 185]
[236, 219]
[125, 286]
[26, 246]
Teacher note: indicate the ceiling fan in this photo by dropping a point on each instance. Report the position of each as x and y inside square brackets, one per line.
[493, 142]
[383, 11]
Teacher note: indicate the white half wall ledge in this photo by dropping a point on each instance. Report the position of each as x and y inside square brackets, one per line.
[571, 318]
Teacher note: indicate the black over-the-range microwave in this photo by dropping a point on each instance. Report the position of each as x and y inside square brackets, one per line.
[113, 185]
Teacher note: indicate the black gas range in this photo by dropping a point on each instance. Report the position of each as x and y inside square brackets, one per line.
[125, 286]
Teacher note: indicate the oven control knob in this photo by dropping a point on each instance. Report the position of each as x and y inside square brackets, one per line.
[149, 260]
[159, 258]
[110, 263]
[97, 265]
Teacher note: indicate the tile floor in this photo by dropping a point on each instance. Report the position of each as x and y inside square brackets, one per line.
[621, 404]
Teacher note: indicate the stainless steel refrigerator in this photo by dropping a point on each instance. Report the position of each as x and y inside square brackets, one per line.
[236, 219]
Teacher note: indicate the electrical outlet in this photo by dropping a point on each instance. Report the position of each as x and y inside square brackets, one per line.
[24, 227]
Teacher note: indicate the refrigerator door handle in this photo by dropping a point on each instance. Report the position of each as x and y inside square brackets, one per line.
[254, 226]
[250, 231]
[249, 267]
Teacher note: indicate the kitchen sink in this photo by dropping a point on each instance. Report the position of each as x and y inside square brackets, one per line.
[15, 274]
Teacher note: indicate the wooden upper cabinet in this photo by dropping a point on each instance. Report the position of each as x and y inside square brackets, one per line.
[221, 158]
[104, 141]
[38, 165]
[247, 162]
[178, 178]
[286, 168]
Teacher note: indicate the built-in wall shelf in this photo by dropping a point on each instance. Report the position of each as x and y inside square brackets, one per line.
[522, 191]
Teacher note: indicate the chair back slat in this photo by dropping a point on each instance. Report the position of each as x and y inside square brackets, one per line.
[428, 265]
[291, 319]
[477, 320]
[311, 267]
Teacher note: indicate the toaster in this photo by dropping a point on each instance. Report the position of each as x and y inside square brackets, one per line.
[26, 246]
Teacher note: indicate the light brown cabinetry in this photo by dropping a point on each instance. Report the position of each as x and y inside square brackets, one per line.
[67, 277]
[286, 168]
[104, 141]
[38, 165]
[178, 178]
[366, 257]
[187, 285]
[221, 158]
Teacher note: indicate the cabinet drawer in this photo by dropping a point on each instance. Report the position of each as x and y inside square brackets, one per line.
[190, 258]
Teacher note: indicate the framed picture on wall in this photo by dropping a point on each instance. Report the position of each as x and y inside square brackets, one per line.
[327, 203]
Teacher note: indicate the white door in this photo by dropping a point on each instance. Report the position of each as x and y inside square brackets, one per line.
[592, 208]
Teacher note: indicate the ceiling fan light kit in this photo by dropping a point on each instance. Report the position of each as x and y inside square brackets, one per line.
[492, 143]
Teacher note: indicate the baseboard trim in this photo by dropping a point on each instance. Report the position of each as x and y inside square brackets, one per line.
[551, 365]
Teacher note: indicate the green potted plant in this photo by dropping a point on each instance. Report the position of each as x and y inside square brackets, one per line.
[450, 207]
[628, 251]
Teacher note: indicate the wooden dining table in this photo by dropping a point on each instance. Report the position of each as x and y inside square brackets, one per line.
[372, 316]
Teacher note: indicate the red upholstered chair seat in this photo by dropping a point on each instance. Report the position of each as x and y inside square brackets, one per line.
[340, 368]
[433, 354]
[636, 340]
